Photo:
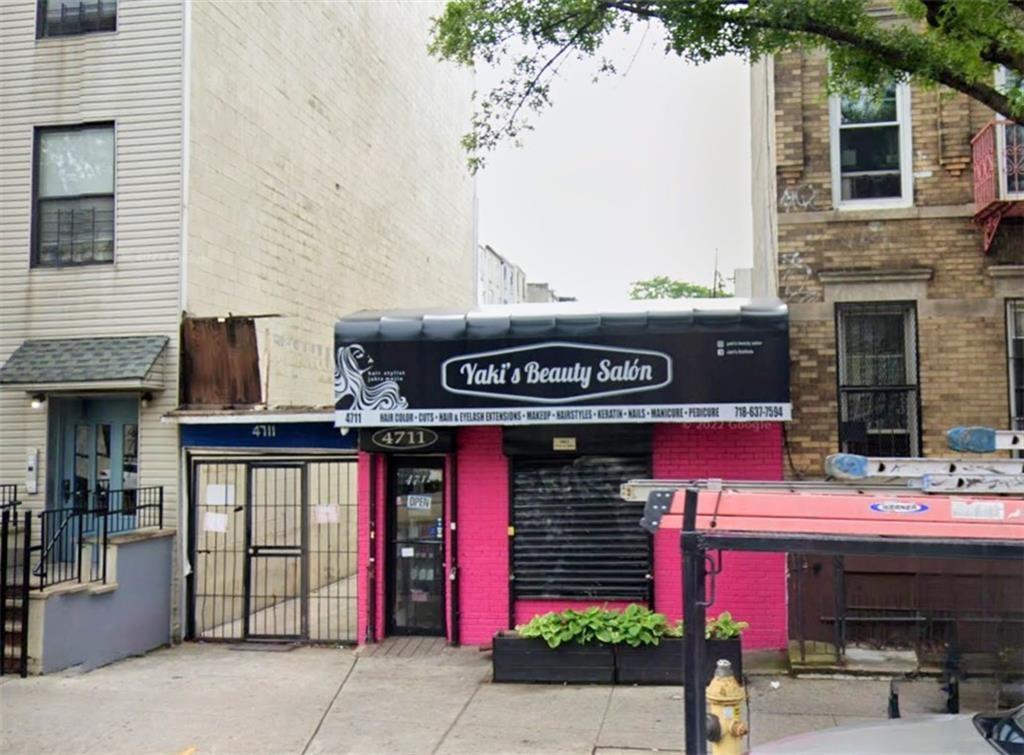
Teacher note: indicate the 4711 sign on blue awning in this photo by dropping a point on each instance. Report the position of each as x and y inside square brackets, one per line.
[705, 374]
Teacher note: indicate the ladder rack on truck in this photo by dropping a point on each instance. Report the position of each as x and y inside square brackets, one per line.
[823, 518]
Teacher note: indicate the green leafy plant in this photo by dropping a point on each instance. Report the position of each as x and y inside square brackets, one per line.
[581, 627]
[724, 627]
[635, 625]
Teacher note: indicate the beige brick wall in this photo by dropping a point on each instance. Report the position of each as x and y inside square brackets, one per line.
[960, 310]
[326, 174]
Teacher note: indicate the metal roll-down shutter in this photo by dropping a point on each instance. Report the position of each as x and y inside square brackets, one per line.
[574, 535]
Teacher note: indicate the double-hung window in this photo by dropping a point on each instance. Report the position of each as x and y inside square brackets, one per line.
[59, 18]
[73, 212]
[872, 161]
[1010, 140]
[878, 394]
[1015, 359]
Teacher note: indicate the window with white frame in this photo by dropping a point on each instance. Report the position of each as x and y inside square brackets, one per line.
[73, 208]
[1010, 140]
[878, 393]
[872, 162]
[1015, 360]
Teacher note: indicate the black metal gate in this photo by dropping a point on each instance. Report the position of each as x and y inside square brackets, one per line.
[274, 550]
[15, 546]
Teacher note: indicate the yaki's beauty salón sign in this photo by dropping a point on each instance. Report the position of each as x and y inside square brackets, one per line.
[694, 376]
[556, 373]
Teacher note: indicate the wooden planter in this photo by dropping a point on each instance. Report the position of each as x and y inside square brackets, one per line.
[663, 663]
[520, 659]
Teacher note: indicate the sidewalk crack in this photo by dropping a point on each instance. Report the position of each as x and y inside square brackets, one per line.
[604, 717]
[330, 705]
[451, 726]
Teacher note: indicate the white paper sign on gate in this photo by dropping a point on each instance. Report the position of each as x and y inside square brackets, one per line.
[327, 514]
[220, 494]
[215, 522]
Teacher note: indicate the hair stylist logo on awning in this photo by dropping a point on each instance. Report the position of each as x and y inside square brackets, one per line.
[556, 373]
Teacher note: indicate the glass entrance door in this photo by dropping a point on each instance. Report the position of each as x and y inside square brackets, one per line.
[416, 581]
[98, 453]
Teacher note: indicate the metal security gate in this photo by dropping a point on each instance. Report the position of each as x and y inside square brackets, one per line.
[274, 550]
[275, 568]
[935, 607]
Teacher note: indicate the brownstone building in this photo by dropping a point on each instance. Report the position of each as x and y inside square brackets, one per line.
[891, 225]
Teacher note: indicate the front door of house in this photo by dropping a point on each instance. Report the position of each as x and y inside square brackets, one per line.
[416, 573]
[97, 446]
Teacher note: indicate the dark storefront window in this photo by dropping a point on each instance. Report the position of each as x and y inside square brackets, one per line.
[878, 398]
[574, 535]
[1015, 360]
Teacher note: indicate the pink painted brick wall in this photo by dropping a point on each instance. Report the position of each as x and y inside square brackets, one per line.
[483, 534]
[752, 586]
[363, 590]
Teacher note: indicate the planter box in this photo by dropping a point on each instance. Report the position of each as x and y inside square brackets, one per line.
[663, 663]
[519, 659]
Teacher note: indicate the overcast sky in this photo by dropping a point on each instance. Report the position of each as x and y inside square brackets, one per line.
[643, 174]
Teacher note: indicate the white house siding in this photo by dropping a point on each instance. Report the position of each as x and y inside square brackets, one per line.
[325, 174]
[132, 77]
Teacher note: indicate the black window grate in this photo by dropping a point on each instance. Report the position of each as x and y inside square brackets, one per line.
[75, 231]
[1015, 360]
[59, 18]
[574, 535]
[878, 394]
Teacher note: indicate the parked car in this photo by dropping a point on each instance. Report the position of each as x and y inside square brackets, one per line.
[980, 734]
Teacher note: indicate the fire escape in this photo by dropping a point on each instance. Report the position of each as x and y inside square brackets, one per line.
[998, 158]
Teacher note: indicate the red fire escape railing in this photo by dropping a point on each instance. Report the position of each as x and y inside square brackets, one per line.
[997, 153]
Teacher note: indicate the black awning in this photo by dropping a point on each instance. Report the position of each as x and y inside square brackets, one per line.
[562, 319]
[646, 361]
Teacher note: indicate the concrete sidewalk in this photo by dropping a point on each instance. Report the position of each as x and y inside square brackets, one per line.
[224, 699]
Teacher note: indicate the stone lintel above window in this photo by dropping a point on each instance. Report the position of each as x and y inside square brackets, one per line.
[1008, 281]
[894, 284]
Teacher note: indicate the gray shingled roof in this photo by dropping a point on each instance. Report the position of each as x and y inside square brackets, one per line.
[562, 319]
[82, 360]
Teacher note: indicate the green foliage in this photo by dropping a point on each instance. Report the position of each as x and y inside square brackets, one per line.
[955, 43]
[663, 287]
[724, 627]
[635, 625]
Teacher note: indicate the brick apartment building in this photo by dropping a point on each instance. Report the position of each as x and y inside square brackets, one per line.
[886, 223]
[903, 312]
[192, 193]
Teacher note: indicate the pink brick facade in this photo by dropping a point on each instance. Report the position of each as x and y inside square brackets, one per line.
[752, 586]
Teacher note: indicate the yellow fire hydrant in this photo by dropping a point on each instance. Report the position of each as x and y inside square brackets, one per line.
[725, 698]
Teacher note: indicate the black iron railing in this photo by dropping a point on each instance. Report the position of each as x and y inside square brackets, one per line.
[15, 542]
[8, 497]
[74, 540]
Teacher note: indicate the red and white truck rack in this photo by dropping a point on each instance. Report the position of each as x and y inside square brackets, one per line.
[902, 518]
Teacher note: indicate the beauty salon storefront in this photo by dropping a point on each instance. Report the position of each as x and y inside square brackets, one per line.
[493, 443]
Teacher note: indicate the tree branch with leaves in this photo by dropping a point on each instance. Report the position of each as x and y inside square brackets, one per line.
[958, 44]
